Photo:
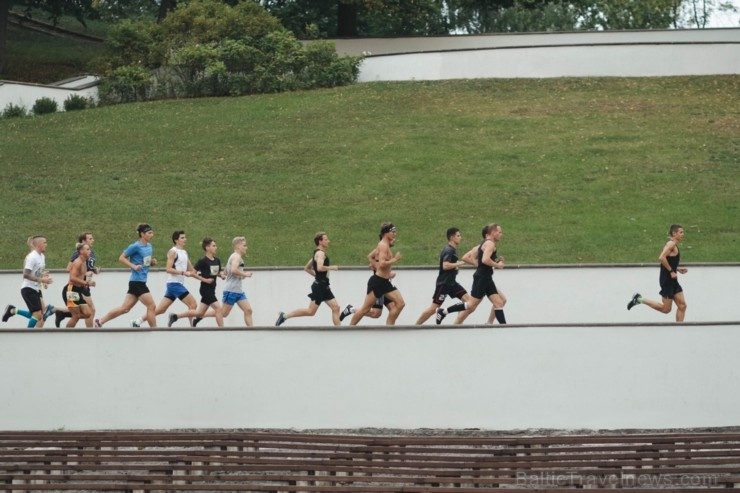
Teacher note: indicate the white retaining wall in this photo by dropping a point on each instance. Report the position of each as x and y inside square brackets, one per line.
[593, 54]
[567, 295]
[618, 377]
[572, 370]
[25, 95]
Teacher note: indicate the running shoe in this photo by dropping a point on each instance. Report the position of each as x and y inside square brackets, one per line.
[9, 312]
[440, 315]
[636, 300]
[345, 313]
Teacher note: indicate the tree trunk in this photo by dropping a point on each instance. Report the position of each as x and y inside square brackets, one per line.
[346, 19]
[4, 7]
[165, 7]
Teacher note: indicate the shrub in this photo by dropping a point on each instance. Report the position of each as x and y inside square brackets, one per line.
[323, 68]
[13, 111]
[209, 48]
[75, 102]
[44, 106]
[130, 42]
[125, 84]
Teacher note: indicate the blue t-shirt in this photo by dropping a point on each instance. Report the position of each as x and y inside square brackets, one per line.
[139, 254]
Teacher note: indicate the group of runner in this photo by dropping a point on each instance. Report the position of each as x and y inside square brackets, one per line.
[381, 292]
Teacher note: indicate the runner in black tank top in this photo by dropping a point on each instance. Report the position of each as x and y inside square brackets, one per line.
[318, 267]
[670, 289]
[486, 260]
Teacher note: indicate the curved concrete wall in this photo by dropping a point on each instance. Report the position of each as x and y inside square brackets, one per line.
[563, 295]
[597, 54]
[587, 363]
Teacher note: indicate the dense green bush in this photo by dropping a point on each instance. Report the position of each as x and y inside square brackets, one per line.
[208, 48]
[44, 106]
[75, 102]
[125, 84]
[12, 111]
[129, 42]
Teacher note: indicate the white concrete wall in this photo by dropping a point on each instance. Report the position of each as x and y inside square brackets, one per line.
[567, 295]
[605, 54]
[25, 95]
[655, 377]
[617, 370]
[414, 44]
[547, 62]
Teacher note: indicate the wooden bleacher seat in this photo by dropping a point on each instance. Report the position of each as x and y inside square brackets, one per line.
[143, 461]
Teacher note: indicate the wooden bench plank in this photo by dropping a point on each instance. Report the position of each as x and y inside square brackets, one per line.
[245, 461]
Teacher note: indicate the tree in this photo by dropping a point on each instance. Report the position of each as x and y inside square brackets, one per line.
[480, 16]
[696, 13]
[165, 7]
[628, 14]
[4, 11]
[208, 48]
[346, 19]
[117, 10]
[55, 9]
[349, 18]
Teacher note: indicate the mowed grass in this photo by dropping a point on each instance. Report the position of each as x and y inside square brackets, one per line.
[43, 59]
[575, 170]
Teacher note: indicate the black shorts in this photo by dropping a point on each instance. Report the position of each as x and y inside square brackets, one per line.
[32, 297]
[137, 288]
[442, 291]
[483, 287]
[380, 302]
[670, 288]
[320, 291]
[208, 294]
[379, 286]
[73, 296]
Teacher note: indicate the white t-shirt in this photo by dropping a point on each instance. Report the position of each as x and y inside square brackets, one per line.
[36, 263]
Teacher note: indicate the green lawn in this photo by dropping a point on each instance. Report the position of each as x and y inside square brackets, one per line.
[43, 59]
[575, 170]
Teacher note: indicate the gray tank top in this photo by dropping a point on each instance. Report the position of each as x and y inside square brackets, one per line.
[234, 283]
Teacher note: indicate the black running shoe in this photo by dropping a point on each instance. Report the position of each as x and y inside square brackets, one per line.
[345, 313]
[440, 315]
[636, 300]
[58, 317]
[280, 320]
[9, 312]
[197, 320]
[171, 320]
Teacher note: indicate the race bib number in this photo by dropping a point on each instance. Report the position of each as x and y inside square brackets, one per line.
[147, 261]
[73, 296]
[214, 270]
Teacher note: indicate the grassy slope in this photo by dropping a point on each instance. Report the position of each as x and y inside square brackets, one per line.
[576, 170]
[41, 58]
